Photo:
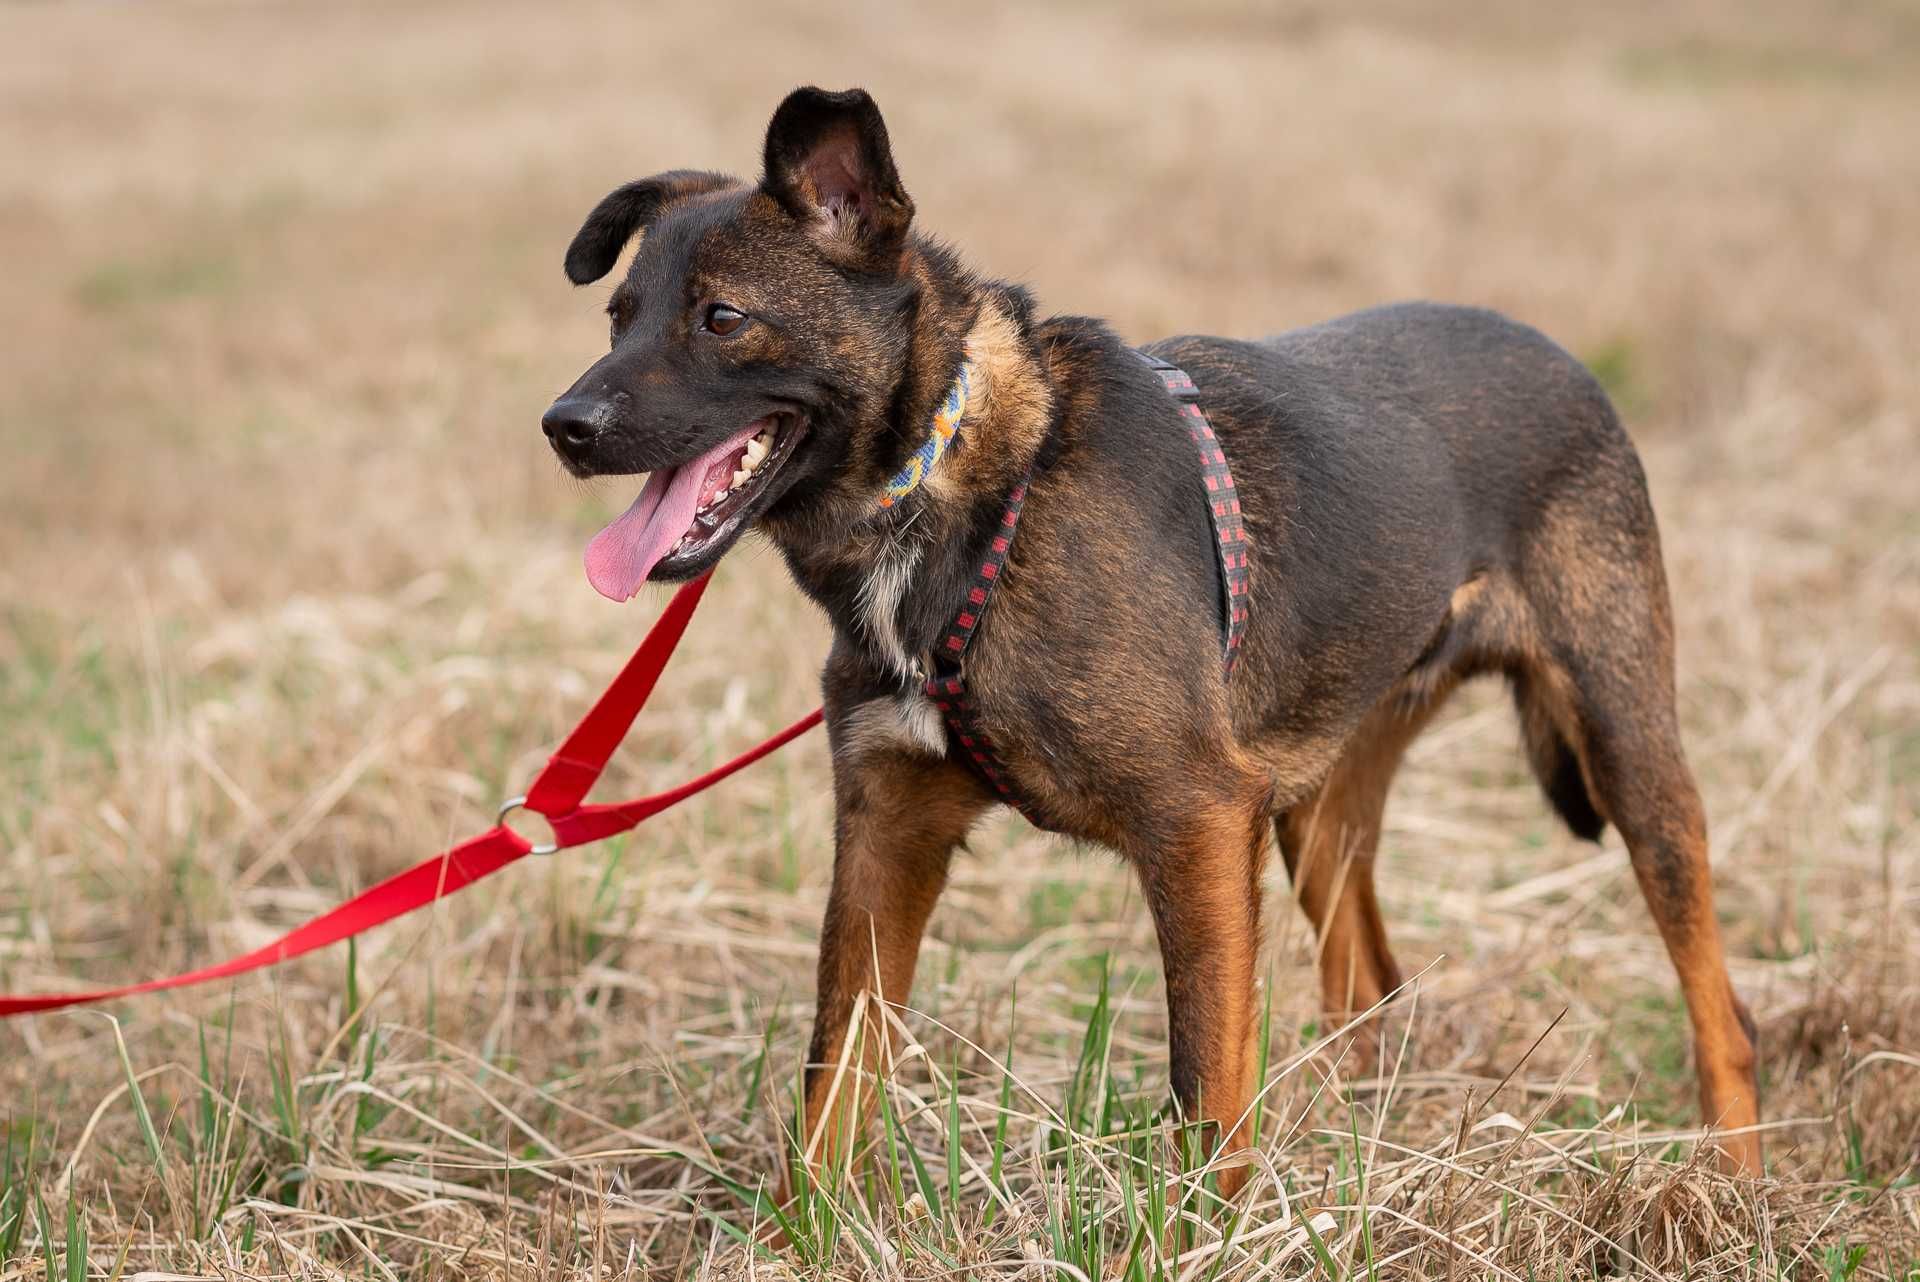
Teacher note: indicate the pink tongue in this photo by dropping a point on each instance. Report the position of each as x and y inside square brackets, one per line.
[622, 555]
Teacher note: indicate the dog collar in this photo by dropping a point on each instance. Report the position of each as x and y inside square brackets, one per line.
[946, 425]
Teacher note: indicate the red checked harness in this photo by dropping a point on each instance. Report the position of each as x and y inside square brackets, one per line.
[946, 684]
[559, 792]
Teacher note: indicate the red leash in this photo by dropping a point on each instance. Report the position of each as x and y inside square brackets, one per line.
[557, 793]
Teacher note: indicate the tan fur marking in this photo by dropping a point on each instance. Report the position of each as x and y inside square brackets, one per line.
[908, 722]
[1009, 406]
[1466, 594]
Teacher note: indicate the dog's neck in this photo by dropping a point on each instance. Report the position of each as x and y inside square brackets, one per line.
[893, 583]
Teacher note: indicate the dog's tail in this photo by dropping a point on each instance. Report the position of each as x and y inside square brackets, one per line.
[1555, 764]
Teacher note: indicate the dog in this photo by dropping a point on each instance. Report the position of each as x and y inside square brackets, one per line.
[1420, 494]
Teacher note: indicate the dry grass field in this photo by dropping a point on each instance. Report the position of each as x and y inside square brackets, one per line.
[290, 596]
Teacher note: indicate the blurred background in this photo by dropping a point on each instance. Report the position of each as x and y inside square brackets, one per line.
[290, 595]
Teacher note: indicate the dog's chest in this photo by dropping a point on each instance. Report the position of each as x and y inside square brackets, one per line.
[911, 719]
[877, 606]
[917, 723]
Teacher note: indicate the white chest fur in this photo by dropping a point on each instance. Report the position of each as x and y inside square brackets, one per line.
[906, 722]
[878, 605]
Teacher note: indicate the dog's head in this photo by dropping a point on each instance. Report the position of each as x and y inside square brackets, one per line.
[758, 337]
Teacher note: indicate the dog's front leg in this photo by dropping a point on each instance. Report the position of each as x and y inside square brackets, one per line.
[899, 814]
[1203, 885]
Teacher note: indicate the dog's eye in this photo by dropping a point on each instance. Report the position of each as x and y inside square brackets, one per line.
[619, 315]
[723, 320]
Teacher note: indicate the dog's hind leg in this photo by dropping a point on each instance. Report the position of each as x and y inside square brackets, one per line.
[1602, 670]
[1328, 842]
[1202, 883]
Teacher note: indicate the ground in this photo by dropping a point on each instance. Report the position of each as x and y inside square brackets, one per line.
[291, 597]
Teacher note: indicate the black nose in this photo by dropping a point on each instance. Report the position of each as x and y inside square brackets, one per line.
[572, 422]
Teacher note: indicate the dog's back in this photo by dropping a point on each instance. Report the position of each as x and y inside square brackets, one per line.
[1423, 409]
[1516, 416]
[1384, 460]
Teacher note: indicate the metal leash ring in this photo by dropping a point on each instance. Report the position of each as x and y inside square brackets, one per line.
[512, 804]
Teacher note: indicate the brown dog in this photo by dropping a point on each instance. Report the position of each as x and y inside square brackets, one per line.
[1429, 494]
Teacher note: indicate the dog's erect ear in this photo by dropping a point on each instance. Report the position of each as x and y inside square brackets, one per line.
[597, 245]
[830, 166]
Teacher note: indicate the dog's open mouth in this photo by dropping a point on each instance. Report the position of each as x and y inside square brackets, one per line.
[688, 511]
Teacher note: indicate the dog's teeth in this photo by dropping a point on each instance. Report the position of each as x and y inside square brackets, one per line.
[756, 451]
[740, 477]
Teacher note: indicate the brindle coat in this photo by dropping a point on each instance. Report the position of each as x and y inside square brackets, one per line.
[1431, 493]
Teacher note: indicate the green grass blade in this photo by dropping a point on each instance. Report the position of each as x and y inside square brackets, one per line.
[46, 1229]
[1263, 1059]
[1360, 1191]
[922, 1177]
[140, 1112]
[760, 1249]
[1320, 1252]
[994, 1173]
[953, 1140]
[76, 1241]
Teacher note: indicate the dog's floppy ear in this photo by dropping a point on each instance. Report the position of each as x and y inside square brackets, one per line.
[829, 164]
[597, 245]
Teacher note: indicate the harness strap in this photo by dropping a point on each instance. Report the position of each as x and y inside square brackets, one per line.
[946, 683]
[1223, 506]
